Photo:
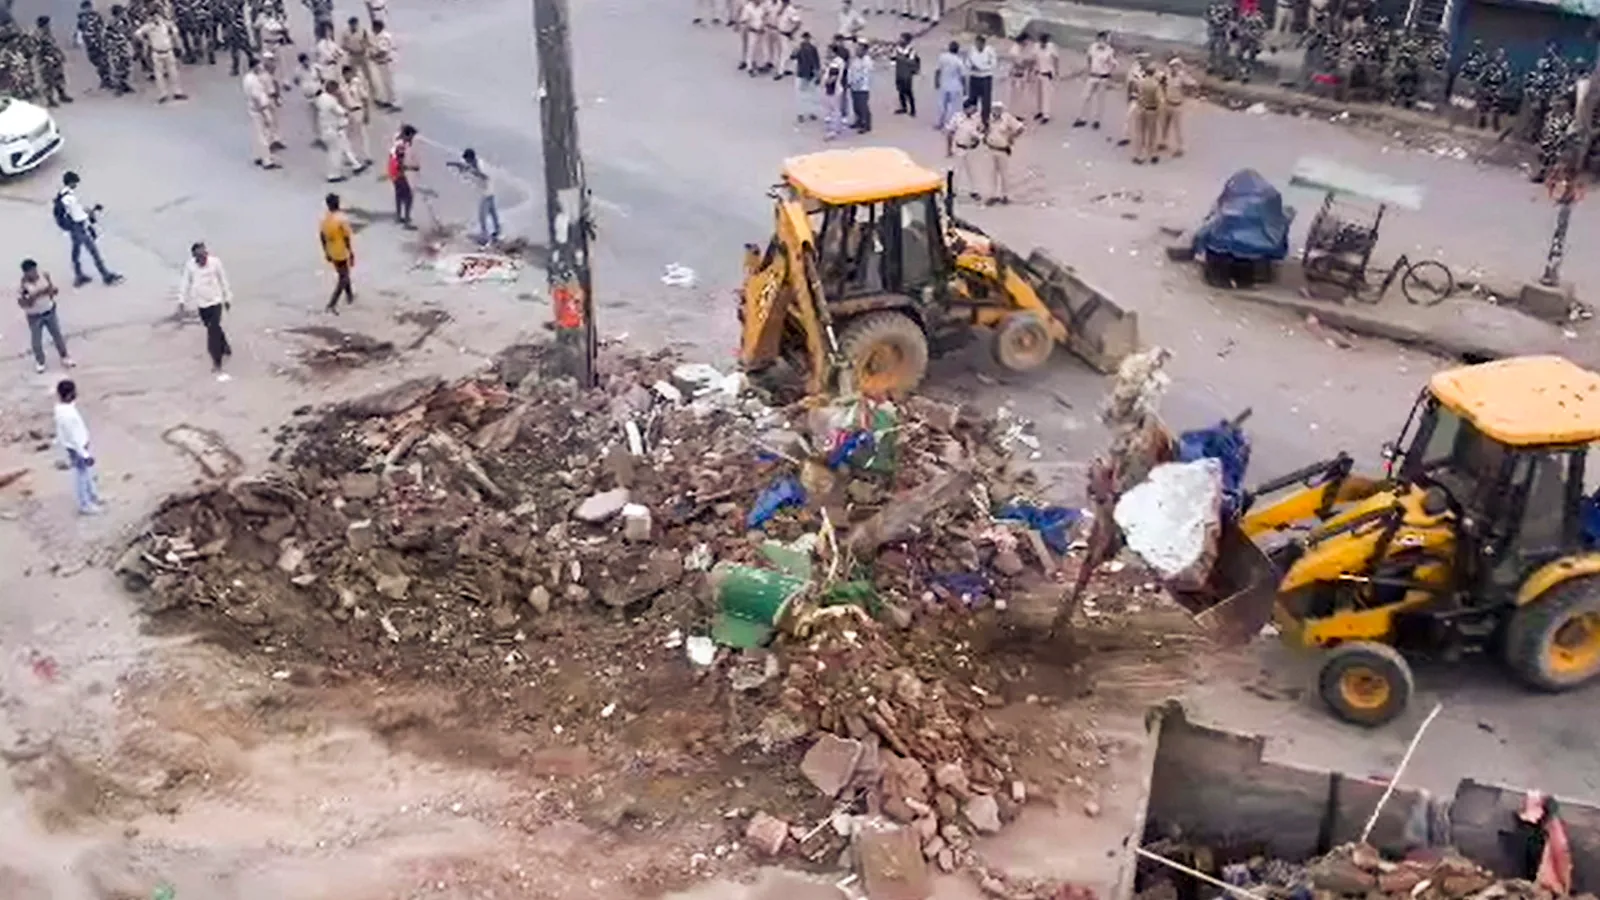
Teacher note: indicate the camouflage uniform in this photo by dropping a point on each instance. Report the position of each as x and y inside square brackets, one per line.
[1248, 35]
[52, 64]
[1219, 26]
[1499, 85]
[235, 31]
[1545, 82]
[1555, 136]
[193, 20]
[321, 14]
[140, 12]
[92, 29]
[16, 65]
[1405, 69]
[119, 49]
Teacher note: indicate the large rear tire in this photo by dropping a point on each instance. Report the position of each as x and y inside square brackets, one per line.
[1365, 683]
[887, 353]
[1553, 643]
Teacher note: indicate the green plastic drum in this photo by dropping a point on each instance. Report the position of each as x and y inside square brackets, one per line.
[750, 601]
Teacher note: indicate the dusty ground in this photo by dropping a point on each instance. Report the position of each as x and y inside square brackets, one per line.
[138, 759]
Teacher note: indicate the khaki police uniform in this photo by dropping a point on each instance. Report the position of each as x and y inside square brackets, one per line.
[161, 36]
[334, 122]
[356, 98]
[1022, 78]
[1001, 140]
[1147, 115]
[383, 70]
[263, 107]
[751, 18]
[1048, 65]
[1175, 91]
[966, 133]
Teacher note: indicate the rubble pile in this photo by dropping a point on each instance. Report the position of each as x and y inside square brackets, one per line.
[657, 570]
[1353, 870]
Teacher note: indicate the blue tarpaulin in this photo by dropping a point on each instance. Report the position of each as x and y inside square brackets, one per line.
[1226, 443]
[1249, 221]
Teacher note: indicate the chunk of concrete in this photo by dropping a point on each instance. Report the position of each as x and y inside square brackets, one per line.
[830, 763]
[1173, 519]
[539, 599]
[361, 536]
[1543, 301]
[767, 833]
[983, 811]
[890, 861]
[359, 485]
[636, 523]
[602, 506]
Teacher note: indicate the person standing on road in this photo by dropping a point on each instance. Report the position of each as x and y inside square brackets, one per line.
[356, 42]
[767, 43]
[119, 50]
[981, 64]
[72, 436]
[488, 213]
[859, 75]
[205, 287]
[1047, 65]
[333, 120]
[338, 248]
[851, 22]
[1145, 114]
[965, 133]
[232, 19]
[78, 223]
[402, 162]
[383, 68]
[356, 98]
[327, 54]
[1102, 65]
[52, 63]
[999, 141]
[93, 34]
[310, 87]
[1137, 73]
[263, 106]
[377, 12]
[788, 24]
[950, 84]
[1175, 89]
[750, 19]
[835, 94]
[161, 36]
[37, 297]
[807, 79]
[907, 65]
[1021, 76]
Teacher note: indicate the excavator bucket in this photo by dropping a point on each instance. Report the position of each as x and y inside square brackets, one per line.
[1238, 598]
[1098, 330]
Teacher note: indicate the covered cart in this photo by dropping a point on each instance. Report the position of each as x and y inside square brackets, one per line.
[1344, 232]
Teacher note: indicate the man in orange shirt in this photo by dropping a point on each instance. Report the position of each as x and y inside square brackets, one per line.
[338, 248]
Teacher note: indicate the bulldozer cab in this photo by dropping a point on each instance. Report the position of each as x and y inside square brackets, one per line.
[876, 217]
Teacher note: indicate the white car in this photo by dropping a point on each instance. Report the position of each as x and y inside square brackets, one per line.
[28, 136]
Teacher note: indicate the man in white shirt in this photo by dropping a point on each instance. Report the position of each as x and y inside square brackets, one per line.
[72, 435]
[1102, 66]
[471, 168]
[263, 108]
[78, 223]
[205, 287]
[751, 18]
[981, 63]
[851, 23]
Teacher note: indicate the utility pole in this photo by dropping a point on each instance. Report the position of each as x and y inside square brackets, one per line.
[566, 195]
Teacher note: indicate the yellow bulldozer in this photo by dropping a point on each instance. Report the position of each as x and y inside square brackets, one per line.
[1479, 536]
[868, 273]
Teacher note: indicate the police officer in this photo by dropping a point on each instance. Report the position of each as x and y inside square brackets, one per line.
[321, 14]
[356, 42]
[1137, 73]
[333, 122]
[52, 63]
[119, 49]
[328, 54]
[235, 31]
[1249, 33]
[160, 35]
[382, 57]
[16, 65]
[356, 98]
[1406, 69]
[92, 29]
[998, 143]
[261, 98]
[1047, 64]
[1555, 137]
[1498, 86]
[1023, 73]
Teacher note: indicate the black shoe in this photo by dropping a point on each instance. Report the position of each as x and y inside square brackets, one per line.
[1154, 160]
[180, 96]
[1079, 123]
[81, 280]
[1124, 142]
[279, 145]
[1096, 126]
[742, 67]
[112, 279]
[65, 99]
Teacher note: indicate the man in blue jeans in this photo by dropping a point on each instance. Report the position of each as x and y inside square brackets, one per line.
[78, 223]
[488, 213]
[73, 437]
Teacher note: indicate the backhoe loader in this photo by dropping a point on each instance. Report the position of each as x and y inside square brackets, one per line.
[868, 273]
[1479, 536]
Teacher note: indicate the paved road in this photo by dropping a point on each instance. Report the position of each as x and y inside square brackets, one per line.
[679, 148]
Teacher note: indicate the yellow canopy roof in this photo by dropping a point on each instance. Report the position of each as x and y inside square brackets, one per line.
[860, 175]
[1526, 401]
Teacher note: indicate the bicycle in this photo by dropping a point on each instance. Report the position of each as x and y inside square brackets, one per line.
[1425, 283]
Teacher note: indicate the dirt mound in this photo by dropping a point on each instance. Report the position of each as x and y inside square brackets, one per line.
[550, 557]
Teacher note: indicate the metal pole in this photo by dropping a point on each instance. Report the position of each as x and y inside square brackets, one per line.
[566, 195]
[1558, 240]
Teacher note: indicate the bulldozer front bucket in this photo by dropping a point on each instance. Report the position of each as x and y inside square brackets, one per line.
[1098, 330]
[1238, 598]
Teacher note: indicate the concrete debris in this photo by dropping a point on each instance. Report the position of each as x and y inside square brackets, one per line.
[890, 861]
[636, 523]
[767, 834]
[830, 763]
[983, 811]
[1174, 518]
[602, 506]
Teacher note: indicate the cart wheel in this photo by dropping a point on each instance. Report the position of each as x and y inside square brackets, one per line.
[1365, 683]
[1427, 283]
[1022, 343]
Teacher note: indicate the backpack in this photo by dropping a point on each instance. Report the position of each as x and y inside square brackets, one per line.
[59, 208]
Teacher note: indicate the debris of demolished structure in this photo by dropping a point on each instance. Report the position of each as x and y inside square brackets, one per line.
[496, 533]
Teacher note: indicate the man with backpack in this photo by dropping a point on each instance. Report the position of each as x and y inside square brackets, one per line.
[78, 223]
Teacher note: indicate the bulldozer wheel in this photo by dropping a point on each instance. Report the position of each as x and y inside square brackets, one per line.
[1365, 683]
[888, 353]
[1553, 643]
[1022, 343]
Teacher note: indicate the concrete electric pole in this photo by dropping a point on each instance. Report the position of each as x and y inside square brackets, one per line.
[566, 195]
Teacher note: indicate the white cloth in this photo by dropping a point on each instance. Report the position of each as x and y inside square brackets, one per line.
[204, 285]
[71, 433]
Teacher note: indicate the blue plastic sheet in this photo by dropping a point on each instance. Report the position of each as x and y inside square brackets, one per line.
[974, 586]
[1054, 523]
[847, 446]
[1248, 221]
[1228, 444]
[786, 491]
